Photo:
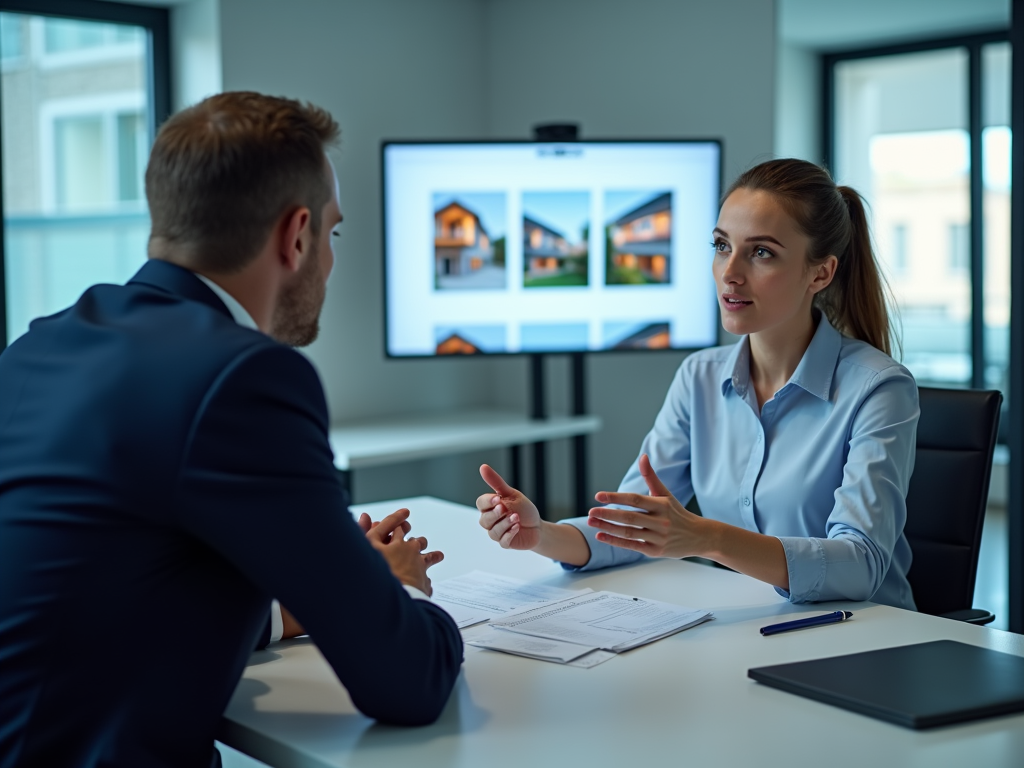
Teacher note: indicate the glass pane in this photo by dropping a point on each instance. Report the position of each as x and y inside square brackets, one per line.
[75, 140]
[80, 163]
[62, 35]
[902, 142]
[12, 32]
[132, 147]
[995, 147]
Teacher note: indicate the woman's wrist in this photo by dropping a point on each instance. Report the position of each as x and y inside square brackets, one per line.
[749, 552]
[565, 543]
[709, 541]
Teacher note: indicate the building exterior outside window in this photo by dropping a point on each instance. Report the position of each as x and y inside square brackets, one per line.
[902, 137]
[77, 124]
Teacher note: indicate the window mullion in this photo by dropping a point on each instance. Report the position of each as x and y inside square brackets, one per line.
[977, 223]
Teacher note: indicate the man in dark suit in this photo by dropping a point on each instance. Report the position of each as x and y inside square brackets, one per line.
[165, 472]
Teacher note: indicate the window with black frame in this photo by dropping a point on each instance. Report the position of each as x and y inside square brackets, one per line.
[923, 131]
[83, 85]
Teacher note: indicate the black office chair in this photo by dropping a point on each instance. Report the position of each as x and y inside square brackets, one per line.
[946, 501]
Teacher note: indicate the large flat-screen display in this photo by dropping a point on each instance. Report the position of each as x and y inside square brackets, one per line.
[527, 247]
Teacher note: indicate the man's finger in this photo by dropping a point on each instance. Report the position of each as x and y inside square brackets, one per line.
[432, 558]
[365, 523]
[654, 483]
[421, 541]
[389, 524]
[496, 481]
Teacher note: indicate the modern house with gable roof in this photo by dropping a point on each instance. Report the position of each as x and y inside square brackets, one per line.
[461, 243]
[544, 249]
[455, 344]
[550, 258]
[641, 243]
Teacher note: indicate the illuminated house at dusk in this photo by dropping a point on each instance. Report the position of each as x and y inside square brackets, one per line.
[461, 244]
[544, 249]
[641, 242]
[456, 345]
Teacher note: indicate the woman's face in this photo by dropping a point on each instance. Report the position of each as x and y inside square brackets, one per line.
[764, 281]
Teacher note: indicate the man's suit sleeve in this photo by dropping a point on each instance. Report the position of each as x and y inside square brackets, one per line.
[258, 485]
[263, 640]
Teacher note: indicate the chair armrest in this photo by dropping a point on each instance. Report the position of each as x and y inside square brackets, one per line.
[970, 615]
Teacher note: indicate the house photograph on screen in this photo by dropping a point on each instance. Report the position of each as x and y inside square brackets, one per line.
[636, 335]
[556, 230]
[469, 339]
[469, 240]
[638, 237]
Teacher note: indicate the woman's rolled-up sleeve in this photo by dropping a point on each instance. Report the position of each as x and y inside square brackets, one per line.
[870, 508]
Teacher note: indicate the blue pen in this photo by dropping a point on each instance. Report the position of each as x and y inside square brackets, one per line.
[813, 621]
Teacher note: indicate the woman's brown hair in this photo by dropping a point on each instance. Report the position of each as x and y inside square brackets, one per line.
[833, 217]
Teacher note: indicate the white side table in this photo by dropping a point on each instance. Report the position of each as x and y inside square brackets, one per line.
[422, 436]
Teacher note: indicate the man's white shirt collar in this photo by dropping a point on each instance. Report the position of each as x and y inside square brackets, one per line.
[237, 311]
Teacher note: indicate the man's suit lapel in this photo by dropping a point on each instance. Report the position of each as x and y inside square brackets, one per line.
[178, 281]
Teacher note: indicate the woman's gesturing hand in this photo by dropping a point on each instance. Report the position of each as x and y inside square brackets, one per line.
[509, 517]
[665, 528]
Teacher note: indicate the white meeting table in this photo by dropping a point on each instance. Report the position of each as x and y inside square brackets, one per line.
[684, 700]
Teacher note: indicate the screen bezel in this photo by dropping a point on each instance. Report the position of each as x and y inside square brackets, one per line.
[443, 142]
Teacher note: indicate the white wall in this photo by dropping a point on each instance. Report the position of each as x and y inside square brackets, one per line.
[643, 68]
[195, 52]
[647, 68]
[798, 103]
[478, 68]
[384, 69]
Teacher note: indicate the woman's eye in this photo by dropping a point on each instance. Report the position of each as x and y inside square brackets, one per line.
[720, 246]
[763, 253]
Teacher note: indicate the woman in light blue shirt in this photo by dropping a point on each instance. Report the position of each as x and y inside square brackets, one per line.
[798, 441]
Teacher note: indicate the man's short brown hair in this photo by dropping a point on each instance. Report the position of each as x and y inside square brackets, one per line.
[222, 172]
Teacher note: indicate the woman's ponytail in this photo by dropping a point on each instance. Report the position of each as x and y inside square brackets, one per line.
[855, 301]
[833, 218]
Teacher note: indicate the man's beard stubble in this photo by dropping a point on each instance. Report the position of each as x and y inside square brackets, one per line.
[296, 319]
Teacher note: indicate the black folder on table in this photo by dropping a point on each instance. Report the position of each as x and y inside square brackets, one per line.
[917, 686]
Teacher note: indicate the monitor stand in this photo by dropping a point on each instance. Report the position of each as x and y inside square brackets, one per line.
[538, 410]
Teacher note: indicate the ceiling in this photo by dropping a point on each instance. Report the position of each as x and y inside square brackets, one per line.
[827, 25]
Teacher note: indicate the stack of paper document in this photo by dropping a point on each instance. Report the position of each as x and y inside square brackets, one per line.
[605, 620]
[478, 596]
[538, 648]
[581, 628]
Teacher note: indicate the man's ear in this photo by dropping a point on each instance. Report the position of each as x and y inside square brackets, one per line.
[295, 238]
[824, 274]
